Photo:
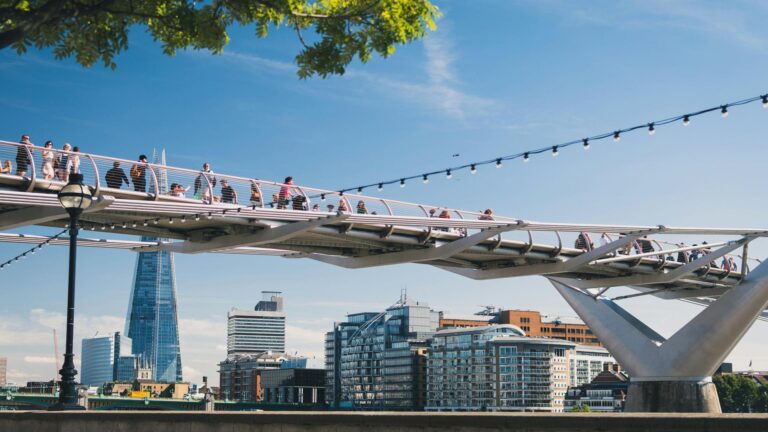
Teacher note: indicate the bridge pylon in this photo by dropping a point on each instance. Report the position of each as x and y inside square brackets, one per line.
[675, 374]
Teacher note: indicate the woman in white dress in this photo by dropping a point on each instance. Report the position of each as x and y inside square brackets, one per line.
[73, 163]
[48, 161]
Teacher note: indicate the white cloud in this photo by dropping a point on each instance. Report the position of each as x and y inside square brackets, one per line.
[39, 360]
[306, 342]
[199, 328]
[190, 371]
[259, 63]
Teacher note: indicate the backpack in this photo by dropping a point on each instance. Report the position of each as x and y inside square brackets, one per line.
[135, 172]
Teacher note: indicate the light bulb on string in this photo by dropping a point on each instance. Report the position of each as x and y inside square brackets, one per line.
[651, 129]
[402, 183]
[184, 218]
[145, 223]
[765, 101]
[724, 111]
[125, 225]
[425, 179]
[616, 136]
[473, 169]
[103, 227]
[448, 174]
[341, 193]
[555, 151]
[526, 157]
[112, 226]
[133, 224]
[498, 163]
[170, 220]
[322, 197]
[585, 143]
[360, 189]
[210, 215]
[197, 216]
[686, 120]
[156, 221]
[381, 187]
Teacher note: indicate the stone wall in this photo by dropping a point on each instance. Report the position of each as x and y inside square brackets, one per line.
[374, 422]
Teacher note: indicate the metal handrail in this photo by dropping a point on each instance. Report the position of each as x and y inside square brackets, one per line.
[97, 186]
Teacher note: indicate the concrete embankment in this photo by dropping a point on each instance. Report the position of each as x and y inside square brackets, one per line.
[134, 421]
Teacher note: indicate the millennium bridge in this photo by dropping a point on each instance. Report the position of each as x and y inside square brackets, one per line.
[582, 261]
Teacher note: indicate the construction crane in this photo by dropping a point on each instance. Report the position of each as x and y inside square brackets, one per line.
[55, 355]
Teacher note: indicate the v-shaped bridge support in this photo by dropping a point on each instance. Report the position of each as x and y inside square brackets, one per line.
[675, 374]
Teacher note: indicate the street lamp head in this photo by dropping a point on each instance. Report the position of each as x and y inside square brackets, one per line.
[75, 195]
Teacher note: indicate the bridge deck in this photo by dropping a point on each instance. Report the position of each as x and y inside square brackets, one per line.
[392, 232]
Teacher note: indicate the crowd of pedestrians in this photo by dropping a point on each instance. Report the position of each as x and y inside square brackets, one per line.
[58, 165]
[55, 165]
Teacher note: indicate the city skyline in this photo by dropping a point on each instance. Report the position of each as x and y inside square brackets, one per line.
[464, 90]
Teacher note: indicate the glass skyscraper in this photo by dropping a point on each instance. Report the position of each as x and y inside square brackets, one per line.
[97, 360]
[152, 322]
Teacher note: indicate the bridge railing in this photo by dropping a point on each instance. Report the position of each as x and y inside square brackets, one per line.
[199, 187]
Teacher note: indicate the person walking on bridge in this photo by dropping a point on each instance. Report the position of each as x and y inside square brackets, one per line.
[22, 156]
[285, 192]
[116, 176]
[201, 190]
[139, 174]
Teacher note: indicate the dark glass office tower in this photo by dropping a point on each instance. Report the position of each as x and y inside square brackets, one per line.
[152, 322]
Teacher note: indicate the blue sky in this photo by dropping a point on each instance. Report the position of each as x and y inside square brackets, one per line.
[496, 78]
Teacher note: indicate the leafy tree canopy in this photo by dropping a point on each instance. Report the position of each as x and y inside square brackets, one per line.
[338, 31]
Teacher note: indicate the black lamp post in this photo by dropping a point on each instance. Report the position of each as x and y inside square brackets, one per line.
[74, 197]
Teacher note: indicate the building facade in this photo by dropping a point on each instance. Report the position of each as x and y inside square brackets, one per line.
[126, 368]
[293, 386]
[607, 392]
[240, 375]
[535, 324]
[376, 361]
[3, 371]
[497, 368]
[97, 360]
[152, 322]
[259, 330]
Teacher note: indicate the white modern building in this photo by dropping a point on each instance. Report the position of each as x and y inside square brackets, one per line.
[259, 330]
[97, 360]
[498, 368]
[3, 369]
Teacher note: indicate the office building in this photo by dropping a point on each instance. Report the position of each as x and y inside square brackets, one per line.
[376, 361]
[535, 324]
[152, 322]
[498, 368]
[97, 360]
[459, 321]
[126, 369]
[585, 363]
[293, 386]
[259, 330]
[3, 371]
[240, 375]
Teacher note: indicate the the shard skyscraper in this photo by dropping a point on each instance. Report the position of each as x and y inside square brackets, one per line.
[152, 322]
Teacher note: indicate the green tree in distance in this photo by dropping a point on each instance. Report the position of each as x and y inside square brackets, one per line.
[332, 33]
[739, 393]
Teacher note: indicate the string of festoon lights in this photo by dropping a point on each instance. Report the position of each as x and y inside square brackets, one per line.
[31, 251]
[526, 156]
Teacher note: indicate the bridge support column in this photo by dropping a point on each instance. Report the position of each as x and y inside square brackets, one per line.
[673, 375]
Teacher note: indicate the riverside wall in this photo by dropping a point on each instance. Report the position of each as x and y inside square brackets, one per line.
[146, 421]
